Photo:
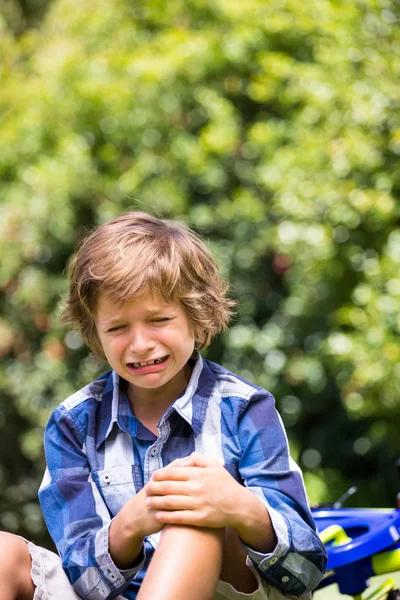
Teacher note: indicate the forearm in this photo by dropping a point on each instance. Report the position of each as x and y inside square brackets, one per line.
[297, 548]
[253, 523]
[125, 541]
[128, 529]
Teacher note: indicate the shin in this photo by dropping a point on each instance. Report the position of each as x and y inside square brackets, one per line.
[234, 569]
[186, 564]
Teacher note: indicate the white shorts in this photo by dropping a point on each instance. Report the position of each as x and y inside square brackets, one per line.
[52, 583]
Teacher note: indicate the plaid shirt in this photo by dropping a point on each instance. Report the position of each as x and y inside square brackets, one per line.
[99, 455]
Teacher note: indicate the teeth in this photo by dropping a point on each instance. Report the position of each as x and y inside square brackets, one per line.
[150, 362]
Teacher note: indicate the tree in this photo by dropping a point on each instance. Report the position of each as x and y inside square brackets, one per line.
[273, 130]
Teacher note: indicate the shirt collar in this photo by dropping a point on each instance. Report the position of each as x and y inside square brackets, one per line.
[191, 405]
[108, 410]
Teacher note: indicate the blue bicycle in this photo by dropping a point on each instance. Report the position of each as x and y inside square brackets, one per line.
[361, 543]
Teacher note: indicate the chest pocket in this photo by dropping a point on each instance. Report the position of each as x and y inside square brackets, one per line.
[118, 484]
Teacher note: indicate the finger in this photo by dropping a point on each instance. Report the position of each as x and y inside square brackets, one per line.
[165, 488]
[175, 473]
[165, 503]
[197, 459]
[178, 462]
[181, 517]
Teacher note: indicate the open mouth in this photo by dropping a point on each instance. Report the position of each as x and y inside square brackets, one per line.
[149, 363]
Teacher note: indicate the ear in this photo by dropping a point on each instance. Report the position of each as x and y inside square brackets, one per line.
[199, 340]
[198, 336]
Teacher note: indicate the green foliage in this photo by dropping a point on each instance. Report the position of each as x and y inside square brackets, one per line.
[22, 14]
[273, 129]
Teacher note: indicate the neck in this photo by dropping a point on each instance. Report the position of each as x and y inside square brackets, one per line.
[150, 404]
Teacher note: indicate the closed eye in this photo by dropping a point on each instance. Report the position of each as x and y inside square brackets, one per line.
[116, 328]
[160, 320]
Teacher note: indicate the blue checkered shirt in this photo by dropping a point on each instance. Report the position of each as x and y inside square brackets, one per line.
[99, 455]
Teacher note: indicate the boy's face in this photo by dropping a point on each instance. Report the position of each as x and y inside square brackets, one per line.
[146, 341]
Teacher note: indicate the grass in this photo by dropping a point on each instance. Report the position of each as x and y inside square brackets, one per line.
[332, 593]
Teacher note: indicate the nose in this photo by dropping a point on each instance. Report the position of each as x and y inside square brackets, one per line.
[141, 342]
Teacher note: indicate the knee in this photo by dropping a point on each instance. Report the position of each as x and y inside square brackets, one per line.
[192, 532]
[184, 539]
[12, 548]
[14, 557]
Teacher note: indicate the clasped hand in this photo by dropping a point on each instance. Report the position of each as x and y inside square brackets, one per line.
[197, 491]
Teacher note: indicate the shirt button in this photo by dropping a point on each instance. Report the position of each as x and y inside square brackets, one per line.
[153, 452]
[107, 478]
[285, 579]
[273, 561]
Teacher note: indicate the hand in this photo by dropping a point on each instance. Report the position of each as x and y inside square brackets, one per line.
[196, 490]
[140, 517]
[136, 519]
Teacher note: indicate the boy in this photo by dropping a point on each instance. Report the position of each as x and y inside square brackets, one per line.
[168, 454]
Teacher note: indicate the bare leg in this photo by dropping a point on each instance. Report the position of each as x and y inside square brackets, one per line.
[15, 569]
[189, 561]
[186, 564]
[234, 569]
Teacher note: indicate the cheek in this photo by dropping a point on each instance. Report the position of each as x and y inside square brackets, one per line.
[192, 335]
[113, 348]
[186, 333]
[181, 341]
[188, 341]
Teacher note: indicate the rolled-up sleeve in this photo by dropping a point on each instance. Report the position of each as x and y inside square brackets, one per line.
[298, 561]
[76, 515]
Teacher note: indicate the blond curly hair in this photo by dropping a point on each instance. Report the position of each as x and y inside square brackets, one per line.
[136, 253]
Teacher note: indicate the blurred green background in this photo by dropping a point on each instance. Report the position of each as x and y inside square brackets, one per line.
[272, 127]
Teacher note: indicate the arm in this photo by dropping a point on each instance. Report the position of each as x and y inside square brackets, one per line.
[298, 560]
[128, 529]
[94, 549]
